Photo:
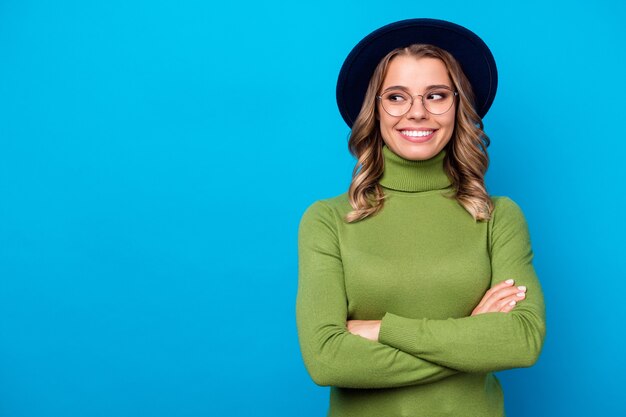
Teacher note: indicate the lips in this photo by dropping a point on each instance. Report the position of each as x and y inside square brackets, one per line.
[417, 135]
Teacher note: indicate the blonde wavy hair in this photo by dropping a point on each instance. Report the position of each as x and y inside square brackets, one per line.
[466, 158]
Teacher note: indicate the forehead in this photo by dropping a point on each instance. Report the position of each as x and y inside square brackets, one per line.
[416, 73]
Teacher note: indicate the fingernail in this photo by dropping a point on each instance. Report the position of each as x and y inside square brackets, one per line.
[521, 294]
[512, 303]
[522, 288]
[509, 281]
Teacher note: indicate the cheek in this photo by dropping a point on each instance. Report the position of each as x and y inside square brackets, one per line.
[385, 127]
[448, 125]
[450, 121]
[386, 121]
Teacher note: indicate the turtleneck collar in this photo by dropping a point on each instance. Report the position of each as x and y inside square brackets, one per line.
[413, 176]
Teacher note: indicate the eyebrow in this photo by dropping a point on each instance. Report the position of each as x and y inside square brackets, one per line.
[401, 87]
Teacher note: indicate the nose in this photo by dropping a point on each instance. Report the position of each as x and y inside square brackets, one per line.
[417, 109]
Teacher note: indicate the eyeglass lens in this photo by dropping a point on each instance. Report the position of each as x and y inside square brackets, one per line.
[399, 102]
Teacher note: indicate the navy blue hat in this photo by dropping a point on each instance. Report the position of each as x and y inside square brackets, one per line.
[467, 48]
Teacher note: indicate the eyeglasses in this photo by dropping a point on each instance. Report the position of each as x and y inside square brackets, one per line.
[436, 101]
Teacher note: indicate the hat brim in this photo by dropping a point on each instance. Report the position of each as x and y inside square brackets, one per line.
[468, 49]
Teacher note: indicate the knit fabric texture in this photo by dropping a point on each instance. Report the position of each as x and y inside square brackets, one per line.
[421, 265]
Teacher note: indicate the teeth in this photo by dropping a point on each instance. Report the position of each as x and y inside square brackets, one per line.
[417, 133]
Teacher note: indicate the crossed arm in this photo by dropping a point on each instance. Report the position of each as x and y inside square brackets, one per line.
[501, 298]
[407, 351]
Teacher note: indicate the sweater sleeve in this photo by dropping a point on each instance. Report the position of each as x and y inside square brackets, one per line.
[332, 355]
[489, 341]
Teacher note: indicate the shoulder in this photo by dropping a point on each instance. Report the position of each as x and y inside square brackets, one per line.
[505, 209]
[320, 223]
[335, 207]
[325, 216]
[507, 221]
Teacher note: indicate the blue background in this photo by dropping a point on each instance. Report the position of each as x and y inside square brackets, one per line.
[156, 157]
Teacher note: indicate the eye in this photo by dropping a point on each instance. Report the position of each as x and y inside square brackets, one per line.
[437, 95]
[396, 97]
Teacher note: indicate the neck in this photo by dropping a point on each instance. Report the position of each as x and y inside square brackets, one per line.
[413, 176]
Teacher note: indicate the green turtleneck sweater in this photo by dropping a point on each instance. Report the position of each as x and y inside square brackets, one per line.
[421, 265]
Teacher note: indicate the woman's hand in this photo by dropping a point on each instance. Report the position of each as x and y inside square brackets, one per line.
[501, 298]
[368, 329]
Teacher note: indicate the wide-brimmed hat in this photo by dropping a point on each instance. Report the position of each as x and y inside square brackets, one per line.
[469, 50]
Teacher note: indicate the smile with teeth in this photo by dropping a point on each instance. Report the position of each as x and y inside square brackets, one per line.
[416, 133]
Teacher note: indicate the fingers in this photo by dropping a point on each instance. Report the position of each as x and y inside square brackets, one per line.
[504, 284]
[503, 297]
[507, 304]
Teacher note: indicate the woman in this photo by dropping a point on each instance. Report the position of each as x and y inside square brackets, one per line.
[416, 284]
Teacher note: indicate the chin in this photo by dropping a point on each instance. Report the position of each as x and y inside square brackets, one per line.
[417, 154]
